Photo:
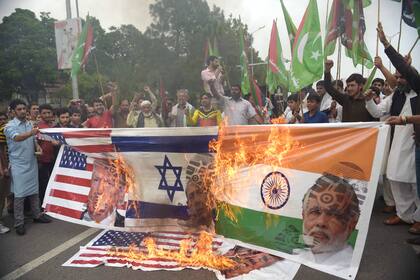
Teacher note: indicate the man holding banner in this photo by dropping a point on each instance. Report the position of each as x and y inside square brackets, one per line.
[410, 200]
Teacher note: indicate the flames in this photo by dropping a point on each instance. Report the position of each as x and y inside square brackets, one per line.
[190, 254]
[248, 147]
[112, 179]
[236, 148]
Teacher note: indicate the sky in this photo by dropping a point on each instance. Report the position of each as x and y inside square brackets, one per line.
[255, 14]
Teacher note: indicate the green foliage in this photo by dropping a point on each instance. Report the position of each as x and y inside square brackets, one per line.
[27, 54]
[171, 49]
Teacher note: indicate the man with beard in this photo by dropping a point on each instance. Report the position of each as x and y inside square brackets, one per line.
[401, 169]
[120, 114]
[353, 102]
[330, 214]
[148, 118]
[213, 72]
[23, 165]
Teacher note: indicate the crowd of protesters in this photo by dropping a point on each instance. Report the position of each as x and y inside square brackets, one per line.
[26, 161]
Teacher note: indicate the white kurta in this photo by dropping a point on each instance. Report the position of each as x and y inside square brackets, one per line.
[326, 104]
[401, 162]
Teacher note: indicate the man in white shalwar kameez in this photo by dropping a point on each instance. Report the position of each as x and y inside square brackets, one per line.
[401, 170]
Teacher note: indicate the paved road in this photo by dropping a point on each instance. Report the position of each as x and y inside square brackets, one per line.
[386, 255]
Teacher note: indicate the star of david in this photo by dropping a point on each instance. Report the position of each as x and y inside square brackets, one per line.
[163, 184]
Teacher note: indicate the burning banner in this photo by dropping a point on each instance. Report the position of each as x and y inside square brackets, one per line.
[302, 192]
[178, 250]
[118, 179]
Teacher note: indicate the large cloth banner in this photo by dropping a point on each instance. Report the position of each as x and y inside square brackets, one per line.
[250, 264]
[302, 192]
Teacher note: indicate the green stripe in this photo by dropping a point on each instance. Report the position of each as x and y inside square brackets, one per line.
[280, 233]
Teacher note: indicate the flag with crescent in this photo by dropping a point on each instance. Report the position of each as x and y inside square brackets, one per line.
[307, 59]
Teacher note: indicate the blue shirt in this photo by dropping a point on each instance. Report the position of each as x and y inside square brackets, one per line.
[23, 164]
[319, 117]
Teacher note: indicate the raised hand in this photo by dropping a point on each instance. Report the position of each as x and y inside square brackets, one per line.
[328, 65]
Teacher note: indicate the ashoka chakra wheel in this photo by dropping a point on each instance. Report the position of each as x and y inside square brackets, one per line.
[275, 190]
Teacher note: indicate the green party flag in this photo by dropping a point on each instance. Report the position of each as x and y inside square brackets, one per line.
[245, 84]
[359, 52]
[369, 80]
[276, 70]
[307, 59]
[78, 54]
[291, 28]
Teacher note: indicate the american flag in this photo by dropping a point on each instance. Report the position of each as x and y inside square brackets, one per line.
[68, 190]
[93, 142]
[98, 251]
[69, 184]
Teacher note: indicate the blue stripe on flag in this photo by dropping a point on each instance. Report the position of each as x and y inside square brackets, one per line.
[165, 144]
[147, 210]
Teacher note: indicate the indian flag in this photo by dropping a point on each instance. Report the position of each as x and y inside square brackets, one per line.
[260, 195]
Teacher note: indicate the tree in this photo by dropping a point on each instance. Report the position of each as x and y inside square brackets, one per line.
[170, 50]
[27, 54]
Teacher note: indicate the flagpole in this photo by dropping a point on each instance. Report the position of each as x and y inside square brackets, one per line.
[363, 66]
[74, 85]
[415, 43]
[77, 8]
[399, 36]
[337, 77]
[97, 73]
[379, 18]
[326, 16]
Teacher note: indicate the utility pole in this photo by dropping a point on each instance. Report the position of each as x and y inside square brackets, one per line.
[74, 85]
[252, 53]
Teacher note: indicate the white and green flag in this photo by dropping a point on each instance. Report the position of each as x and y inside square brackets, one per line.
[307, 59]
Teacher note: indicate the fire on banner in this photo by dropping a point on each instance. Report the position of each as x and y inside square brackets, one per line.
[266, 188]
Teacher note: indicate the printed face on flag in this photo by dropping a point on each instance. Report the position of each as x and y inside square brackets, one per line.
[330, 214]
[107, 190]
[289, 198]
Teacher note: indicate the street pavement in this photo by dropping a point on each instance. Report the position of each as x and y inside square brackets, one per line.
[386, 255]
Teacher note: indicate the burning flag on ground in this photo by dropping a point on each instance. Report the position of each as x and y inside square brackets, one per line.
[168, 251]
